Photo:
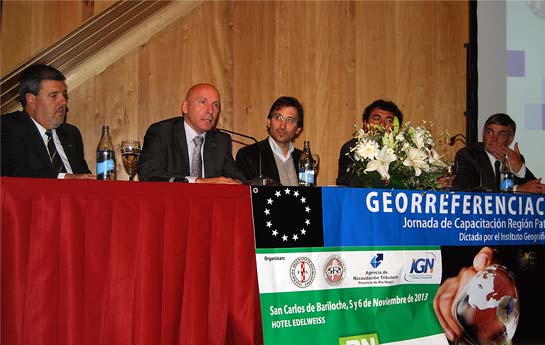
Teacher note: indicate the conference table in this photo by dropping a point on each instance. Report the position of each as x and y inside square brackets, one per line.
[119, 262]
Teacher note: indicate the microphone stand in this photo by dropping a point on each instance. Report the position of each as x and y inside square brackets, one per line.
[260, 180]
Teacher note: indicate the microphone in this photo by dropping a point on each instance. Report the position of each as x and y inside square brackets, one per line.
[497, 164]
[458, 137]
[260, 180]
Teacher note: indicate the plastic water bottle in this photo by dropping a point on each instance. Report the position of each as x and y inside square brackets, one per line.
[506, 177]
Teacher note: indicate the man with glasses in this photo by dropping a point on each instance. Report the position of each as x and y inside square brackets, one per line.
[279, 158]
[478, 163]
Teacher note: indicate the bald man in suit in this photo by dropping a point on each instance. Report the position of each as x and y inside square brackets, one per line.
[169, 145]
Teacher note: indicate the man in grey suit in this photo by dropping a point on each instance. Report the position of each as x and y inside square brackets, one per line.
[187, 148]
[476, 162]
[37, 142]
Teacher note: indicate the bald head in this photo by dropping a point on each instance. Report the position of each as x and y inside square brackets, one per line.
[201, 107]
[200, 87]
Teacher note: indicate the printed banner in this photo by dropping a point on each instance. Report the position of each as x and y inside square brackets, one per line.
[403, 217]
[363, 266]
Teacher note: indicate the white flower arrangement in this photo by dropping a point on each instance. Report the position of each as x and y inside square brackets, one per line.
[403, 158]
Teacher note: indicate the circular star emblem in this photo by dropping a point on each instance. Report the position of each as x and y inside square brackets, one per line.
[287, 215]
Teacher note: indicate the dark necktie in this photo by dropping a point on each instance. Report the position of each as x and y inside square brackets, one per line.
[196, 160]
[56, 160]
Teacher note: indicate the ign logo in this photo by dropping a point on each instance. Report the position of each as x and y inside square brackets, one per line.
[421, 268]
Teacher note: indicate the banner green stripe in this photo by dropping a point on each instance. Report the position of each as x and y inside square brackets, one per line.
[316, 317]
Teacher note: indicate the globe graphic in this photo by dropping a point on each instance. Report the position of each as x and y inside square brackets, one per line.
[488, 308]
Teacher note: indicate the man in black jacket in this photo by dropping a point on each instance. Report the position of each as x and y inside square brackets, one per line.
[278, 157]
[37, 142]
[187, 148]
[476, 163]
[379, 113]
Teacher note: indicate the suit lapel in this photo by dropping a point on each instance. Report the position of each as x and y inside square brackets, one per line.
[36, 140]
[210, 144]
[67, 146]
[268, 162]
[180, 143]
[487, 171]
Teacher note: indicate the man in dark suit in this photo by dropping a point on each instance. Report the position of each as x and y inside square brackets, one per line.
[37, 142]
[279, 158]
[187, 148]
[380, 112]
[476, 163]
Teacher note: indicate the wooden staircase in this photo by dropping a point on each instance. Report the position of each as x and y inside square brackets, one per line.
[90, 39]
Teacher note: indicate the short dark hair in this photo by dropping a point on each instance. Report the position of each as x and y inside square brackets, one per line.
[384, 105]
[502, 120]
[32, 77]
[286, 101]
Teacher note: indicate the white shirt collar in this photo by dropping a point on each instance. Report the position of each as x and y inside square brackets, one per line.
[190, 134]
[277, 150]
[42, 130]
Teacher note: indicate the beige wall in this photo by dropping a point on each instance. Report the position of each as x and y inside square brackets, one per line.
[335, 57]
[30, 26]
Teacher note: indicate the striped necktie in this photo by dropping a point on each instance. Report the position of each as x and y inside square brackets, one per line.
[56, 160]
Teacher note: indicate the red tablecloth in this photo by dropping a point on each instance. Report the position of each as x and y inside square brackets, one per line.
[93, 262]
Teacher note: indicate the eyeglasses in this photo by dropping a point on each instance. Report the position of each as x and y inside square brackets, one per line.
[280, 118]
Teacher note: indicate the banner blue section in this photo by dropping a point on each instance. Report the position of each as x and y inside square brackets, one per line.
[378, 217]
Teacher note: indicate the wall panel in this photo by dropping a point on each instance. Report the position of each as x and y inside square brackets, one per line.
[335, 57]
[31, 26]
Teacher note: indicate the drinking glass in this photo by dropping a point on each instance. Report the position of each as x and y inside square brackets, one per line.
[450, 174]
[130, 154]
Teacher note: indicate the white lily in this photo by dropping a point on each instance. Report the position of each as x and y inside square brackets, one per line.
[417, 159]
[382, 163]
[419, 137]
[436, 159]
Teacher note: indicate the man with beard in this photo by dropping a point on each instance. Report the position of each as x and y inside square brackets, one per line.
[187, 148]
[278, 157]
[37, 142]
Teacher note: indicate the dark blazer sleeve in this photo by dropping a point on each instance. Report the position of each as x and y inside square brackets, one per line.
[296, 156]
[24, 153]
[248, 161]
[218, 157]
[474, 172]
[344, 176]
[164, 152]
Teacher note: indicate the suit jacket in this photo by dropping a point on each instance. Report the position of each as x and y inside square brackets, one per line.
[476, 173]
[344, 175]
[164, 153]
[248, 160]
[24, 153]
